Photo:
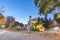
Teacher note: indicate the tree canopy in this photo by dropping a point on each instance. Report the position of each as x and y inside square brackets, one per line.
[10, 20]
[2, 19]
[46, 6]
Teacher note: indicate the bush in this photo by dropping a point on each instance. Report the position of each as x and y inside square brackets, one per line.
[16, 28]
[37, 27]
[3, 26]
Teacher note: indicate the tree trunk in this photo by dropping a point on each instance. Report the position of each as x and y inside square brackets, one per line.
[59, 27]
[8, 25]
[46, 23]
[46, 17]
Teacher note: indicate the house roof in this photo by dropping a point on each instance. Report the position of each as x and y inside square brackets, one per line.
[34, 19]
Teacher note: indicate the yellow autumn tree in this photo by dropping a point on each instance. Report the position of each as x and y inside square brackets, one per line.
[2, 19]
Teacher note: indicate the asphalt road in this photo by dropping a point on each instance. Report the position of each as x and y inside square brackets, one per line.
[8, 35]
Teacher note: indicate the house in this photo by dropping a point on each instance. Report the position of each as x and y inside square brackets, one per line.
[33, 21]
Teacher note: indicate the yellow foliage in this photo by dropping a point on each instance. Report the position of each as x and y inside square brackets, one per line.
[59, 0]
[34, 27]
[58, 15]
[2, 21]
[37, 27]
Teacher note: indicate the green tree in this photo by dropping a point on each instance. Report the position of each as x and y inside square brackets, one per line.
[10, 21]
[46, 6]
[38, 21]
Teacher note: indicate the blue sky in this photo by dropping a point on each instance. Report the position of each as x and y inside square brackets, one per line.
[20, 9]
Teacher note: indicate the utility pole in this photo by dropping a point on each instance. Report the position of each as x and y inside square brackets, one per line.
[29, 23]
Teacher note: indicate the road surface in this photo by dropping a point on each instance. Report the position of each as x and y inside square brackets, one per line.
[8, 35]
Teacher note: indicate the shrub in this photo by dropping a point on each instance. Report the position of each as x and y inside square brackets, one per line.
[37, 27]
[16, 28]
